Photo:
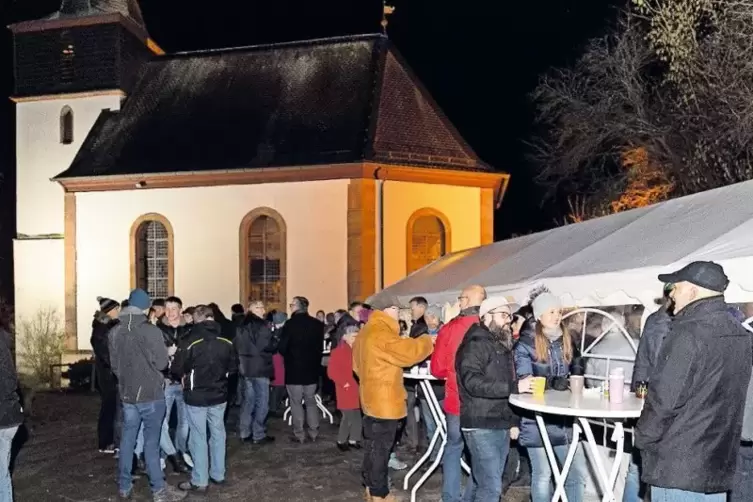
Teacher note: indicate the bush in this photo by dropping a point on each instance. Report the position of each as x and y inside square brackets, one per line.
[79, 374]
[41, 344]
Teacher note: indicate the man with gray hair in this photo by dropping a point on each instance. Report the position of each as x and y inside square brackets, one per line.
[301, 346]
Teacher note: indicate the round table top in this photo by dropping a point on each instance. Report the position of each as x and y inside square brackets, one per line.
[590, 405]
[419, 376]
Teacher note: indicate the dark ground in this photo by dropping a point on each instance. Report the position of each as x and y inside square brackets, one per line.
[60, 462]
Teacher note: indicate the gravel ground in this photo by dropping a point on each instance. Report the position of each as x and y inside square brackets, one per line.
[60, 462]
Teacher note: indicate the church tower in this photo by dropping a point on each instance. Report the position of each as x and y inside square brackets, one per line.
[68, 67]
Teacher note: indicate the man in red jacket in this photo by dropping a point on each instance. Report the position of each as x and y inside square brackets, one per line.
[443, 366]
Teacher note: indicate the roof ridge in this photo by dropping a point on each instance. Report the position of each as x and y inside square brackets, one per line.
[278, 45]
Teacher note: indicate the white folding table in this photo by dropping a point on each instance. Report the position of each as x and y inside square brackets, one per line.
[590, 405]
[440, 434]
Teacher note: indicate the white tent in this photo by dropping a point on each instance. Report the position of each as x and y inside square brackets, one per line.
[612, 260]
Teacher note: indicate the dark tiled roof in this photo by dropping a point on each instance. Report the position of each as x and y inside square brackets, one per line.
[306, 103]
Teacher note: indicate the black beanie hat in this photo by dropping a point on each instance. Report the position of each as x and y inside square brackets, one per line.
[106, 304]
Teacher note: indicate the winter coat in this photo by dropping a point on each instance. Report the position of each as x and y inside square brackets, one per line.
[255, 347]
[654, 332]
[379, 357]
[443, 359]
[301, 346]
[204, 361]
[340, 371]
[101, 327]
[419, 328]
[559, 428]
[690, 427]
[173, 336]
[486, 378]
[138, 357]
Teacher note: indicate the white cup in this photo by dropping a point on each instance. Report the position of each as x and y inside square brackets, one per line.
[414, 370]
[423, 371]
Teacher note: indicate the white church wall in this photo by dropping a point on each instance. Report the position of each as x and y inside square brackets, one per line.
[40, 156]
[206, 224]
[39, 278]
[461, 205]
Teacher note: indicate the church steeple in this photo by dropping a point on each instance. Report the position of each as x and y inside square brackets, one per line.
[87, 45]
[129, 9]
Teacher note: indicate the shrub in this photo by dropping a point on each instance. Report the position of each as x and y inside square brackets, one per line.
[79, 374]
[41, 344]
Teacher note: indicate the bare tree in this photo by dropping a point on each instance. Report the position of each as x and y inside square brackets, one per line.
[41, 343]
[688, 111]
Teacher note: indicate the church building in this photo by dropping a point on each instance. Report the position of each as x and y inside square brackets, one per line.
[319, 168]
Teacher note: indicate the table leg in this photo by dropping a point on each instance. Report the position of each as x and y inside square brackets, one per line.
[559, 476]
[323, 409]
[606, 482]
[440, 433]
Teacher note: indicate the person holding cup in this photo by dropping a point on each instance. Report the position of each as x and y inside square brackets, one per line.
[546, 352]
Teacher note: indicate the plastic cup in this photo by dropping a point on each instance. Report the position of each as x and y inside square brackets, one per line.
[577, 382]
[538, 385]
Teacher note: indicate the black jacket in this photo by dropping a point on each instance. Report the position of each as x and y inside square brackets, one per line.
[654, 332]
[101, 326]
[486, 378]
[255, 348]
[419, 328]
[301, 346]
[11, 414]
[173, 336]
[205, 360]
[689, 431]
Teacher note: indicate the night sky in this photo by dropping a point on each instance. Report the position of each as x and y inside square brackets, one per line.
[479, 60]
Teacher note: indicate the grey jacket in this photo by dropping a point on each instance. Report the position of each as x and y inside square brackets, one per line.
[138, 356]
[652, 338]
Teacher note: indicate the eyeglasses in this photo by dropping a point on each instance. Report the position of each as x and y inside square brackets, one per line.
[461, 298]
[505, 315]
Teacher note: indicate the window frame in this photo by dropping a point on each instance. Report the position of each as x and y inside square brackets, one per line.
[67, 125]
[244, 265]
[417, 215]
[134, 237]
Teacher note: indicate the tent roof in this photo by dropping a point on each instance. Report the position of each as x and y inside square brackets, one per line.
[606, 261]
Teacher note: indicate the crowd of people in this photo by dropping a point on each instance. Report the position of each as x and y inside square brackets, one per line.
[155, 359]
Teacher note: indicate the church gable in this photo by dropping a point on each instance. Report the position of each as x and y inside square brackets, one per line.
[411, 128]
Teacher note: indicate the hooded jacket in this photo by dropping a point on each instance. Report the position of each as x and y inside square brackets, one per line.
[138, 356]
[101, 326]
[379, 356]
[690, 427]
[204, 361]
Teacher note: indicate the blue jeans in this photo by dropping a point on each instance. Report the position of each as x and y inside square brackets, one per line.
[151, 415]
[632, 492]
[6, 441]
[488, 449]
[174, 394]
[742, 488]
[452, 472]
[673, 495]
[541, 474]
[207, 463]
[255, 408]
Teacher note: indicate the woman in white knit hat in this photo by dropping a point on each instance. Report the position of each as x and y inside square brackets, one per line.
[545, 349]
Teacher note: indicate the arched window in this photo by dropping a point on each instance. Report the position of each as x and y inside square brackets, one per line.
[66, 125]
[428, 238]
[152, 255]
[262, 254]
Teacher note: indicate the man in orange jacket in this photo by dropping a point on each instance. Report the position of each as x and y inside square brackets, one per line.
[443, 366]
[379, 356]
